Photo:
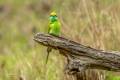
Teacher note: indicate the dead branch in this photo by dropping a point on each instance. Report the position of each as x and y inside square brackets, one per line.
[81, 57]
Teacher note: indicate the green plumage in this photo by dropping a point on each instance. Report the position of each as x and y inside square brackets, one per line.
[54, 29]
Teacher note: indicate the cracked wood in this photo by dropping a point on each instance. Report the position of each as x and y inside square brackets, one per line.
[92, 58]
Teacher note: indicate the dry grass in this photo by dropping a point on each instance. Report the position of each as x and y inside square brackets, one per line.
[91, 22]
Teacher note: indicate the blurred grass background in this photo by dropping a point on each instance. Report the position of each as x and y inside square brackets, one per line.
[91, 22]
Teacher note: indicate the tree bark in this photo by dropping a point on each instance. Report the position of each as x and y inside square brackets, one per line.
[80, 58]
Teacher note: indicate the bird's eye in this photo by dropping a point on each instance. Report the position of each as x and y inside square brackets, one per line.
[55, 17]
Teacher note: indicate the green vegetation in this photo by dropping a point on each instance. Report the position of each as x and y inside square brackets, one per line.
[91, 22]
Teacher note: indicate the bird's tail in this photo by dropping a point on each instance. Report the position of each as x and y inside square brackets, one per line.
[49, 49]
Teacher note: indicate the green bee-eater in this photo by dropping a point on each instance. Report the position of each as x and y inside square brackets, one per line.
[54, 29]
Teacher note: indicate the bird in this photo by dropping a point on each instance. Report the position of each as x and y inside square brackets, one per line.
[53, 29]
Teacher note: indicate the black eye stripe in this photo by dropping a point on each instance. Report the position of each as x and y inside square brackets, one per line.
[53, 16]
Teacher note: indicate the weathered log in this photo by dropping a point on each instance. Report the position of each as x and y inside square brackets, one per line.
[81, 57]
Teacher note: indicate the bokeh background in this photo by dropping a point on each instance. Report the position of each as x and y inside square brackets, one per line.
[94, 23]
